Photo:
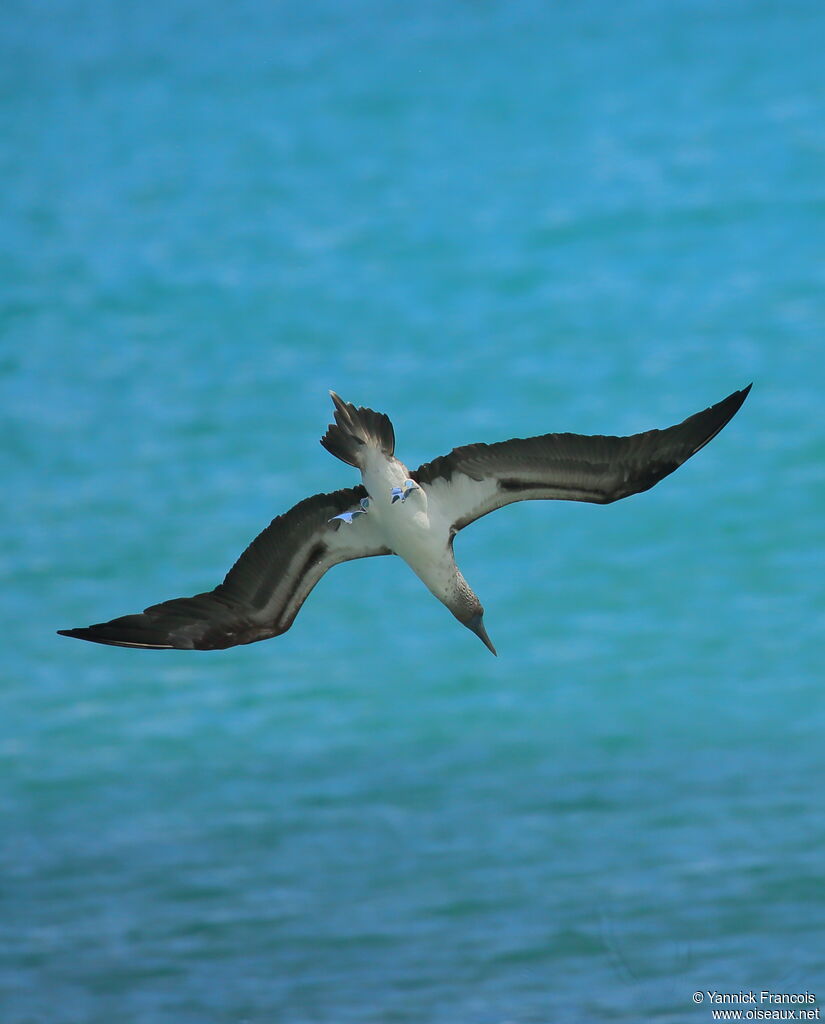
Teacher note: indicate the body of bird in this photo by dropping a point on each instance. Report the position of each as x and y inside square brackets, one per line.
[409, 527]
[420, 532]
[413, 514]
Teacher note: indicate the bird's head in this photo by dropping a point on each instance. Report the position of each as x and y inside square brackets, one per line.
[470, 613]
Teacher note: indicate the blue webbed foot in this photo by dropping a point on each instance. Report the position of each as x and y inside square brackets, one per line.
[348, 517]
[402, 493]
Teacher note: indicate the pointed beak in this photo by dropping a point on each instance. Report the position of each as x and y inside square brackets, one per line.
[476, 624]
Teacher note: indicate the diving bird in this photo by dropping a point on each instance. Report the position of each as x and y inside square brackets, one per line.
[415, 514]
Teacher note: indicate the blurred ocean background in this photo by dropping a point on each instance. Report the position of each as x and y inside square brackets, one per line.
[488, 219]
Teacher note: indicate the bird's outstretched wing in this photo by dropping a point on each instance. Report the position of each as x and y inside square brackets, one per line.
[262, 592]
[479, 478]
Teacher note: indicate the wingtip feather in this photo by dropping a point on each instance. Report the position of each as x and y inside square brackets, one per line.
[100, 634]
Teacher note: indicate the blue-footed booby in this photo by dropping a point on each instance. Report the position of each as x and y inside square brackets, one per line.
[415, 514]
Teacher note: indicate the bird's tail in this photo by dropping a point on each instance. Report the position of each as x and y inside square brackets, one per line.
[354, 429]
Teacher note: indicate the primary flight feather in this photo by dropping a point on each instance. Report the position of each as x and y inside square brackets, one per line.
[414, 514]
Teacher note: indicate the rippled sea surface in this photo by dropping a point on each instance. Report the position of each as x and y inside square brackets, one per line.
[488, 219]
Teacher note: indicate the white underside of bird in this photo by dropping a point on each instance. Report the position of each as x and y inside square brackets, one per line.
[418, 528]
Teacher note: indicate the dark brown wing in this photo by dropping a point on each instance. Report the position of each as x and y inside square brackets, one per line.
[262, 592]
[478, 478]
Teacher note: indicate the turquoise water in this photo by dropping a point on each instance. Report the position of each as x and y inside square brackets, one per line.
[489, 220]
